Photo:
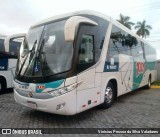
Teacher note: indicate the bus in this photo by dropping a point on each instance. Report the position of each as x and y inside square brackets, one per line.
[73, 62]
[9, 49]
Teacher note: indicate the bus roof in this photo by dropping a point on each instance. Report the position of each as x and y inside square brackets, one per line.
[87, 12]
[3, 36]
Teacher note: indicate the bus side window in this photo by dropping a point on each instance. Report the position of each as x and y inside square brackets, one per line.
[122, 42]
[139, 49]
[14, 47]
[134, 51]
[112, 49]
[86, 49]
[86, 53]
[116, 44]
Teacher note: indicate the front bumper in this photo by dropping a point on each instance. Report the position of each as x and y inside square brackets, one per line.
[50, 105]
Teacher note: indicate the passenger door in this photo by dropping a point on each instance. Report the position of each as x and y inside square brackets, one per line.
[87, 96]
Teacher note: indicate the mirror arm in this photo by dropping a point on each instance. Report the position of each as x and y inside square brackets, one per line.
[72, 24]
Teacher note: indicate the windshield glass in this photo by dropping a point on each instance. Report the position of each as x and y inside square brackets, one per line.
[45, 51]
[14, 45]
[28, 48]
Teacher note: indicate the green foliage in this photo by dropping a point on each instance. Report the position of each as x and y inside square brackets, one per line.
[125, 21]
[141, 27]
[156, 83]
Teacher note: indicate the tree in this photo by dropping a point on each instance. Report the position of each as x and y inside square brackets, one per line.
[125, 21]
[143, 29]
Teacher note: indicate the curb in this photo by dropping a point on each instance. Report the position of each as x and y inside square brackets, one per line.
[155, 86]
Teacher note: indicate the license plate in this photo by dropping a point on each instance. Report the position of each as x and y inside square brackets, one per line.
[31, 104]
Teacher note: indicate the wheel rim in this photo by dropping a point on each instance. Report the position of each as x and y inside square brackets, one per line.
[108, 95]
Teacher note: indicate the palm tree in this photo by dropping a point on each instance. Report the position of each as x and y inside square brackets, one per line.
[125, 21]
[143, 29]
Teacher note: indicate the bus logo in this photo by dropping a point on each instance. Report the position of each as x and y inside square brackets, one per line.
[6, 131]
[140, 68]
[23, 87]
[41, 87]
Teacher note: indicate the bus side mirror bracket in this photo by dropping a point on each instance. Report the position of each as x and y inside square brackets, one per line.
[72, 24]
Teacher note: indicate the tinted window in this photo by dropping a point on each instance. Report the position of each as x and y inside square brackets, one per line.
[54, 53]
[150, 53]
[121, 43]
[86, 49]
[139, 52]
[2, 45]
[14, 47]
[57, 52]
[89, 44]
[99, 32]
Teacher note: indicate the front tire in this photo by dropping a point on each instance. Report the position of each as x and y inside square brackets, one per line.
[2, 85]
[109, 96]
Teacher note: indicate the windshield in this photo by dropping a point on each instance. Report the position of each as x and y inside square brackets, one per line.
[45, 51]
[14, 45]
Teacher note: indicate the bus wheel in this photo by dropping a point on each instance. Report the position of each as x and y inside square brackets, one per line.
[148, 86]
[109, 96]
[2, 85]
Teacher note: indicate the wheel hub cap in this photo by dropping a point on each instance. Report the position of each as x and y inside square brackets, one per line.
[108, 95]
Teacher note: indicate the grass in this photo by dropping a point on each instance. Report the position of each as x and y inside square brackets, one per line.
[156, 83]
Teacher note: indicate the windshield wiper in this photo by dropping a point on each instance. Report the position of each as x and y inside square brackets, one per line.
[30, 51]
[38, 58]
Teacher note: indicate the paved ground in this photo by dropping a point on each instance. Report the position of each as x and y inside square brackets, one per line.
[138, 109]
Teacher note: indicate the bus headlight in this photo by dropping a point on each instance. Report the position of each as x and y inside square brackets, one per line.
[64, 90]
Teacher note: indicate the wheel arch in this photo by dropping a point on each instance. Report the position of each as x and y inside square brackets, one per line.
[113, 80]
[150, 76]
[4, 80]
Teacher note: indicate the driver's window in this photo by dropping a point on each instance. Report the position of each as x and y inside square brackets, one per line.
[86, 49]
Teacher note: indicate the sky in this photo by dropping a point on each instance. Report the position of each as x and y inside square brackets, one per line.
[16, 16]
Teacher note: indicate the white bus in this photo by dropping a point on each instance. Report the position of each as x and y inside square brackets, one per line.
[9, 49]
[74, 62]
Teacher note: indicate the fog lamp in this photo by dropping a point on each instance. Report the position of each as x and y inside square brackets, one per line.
[60, 106]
